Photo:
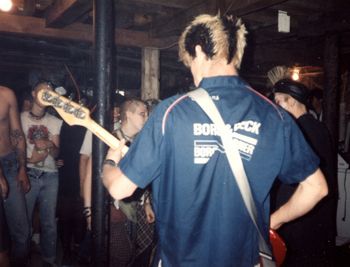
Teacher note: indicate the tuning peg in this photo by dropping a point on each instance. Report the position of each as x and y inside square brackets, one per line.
[83, 102]
[60, 90]
[71, 96]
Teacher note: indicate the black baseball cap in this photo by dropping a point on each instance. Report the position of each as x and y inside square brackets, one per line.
[295, 89]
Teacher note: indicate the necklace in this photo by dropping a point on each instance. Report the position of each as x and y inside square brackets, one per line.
[127, 138]
[36, 117]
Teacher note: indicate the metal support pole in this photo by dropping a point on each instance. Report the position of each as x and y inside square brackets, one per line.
[104, 42]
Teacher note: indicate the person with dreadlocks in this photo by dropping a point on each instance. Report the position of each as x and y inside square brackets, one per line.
[200, 215]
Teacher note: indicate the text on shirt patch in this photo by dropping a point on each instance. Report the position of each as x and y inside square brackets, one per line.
[204, 149]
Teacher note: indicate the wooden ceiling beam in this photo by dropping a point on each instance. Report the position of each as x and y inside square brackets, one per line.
[183, 4]
[262, 17]
[145, 8]
[245, 7]
[300, 8]
[65, 12]
[32, 26]
[175, 24]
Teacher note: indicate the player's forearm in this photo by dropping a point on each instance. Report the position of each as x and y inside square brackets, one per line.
[117, 184]
[87, 192]
[307, 195]
[109, 174]
[87, 183]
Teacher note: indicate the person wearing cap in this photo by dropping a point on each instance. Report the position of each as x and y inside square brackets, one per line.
[310, 240]
[200, 215]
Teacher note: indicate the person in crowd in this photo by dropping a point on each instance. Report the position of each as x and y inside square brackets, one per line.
[13, 163]
[131, 228]
[42, 131]
[118, 101]
[310, 239]
[316, 100]
[4, 237]
[85, 174]
[133, 115]
[200, 216]
[26, 101]
[71, 221]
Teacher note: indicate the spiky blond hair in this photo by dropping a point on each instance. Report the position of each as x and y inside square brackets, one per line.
[219, 37]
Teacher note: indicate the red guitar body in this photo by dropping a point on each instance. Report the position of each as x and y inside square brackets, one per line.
[279, 248]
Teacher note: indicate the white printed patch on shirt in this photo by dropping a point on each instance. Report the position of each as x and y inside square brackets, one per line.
[204, 149]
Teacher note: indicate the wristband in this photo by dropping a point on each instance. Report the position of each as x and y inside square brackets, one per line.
[110, 162]
[87, 212]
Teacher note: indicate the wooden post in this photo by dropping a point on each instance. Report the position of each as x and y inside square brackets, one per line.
[150, 73]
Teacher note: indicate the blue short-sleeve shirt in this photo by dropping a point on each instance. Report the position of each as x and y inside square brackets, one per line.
[201, 217]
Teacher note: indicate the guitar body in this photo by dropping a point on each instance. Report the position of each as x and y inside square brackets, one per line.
[279, 248]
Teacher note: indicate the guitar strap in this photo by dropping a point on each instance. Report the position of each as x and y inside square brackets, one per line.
[203, 99]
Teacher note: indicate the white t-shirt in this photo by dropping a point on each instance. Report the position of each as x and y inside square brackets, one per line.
[86, 147]
[47, 127]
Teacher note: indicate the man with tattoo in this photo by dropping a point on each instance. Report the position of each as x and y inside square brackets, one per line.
[12, 160]
[4, 237]
[42, 132]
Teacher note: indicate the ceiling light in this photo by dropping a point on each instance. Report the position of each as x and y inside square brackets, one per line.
[5, 5]
[295, 74]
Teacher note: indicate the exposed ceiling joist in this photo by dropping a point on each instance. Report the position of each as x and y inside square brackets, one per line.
[300, 8]
[183, 4]
[65, 12]
[174, 25]
[31, 26]
[144, 8]
[262, 17]
[245, 7]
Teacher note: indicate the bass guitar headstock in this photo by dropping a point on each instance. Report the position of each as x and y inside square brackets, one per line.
[75, 114]
[70, 111]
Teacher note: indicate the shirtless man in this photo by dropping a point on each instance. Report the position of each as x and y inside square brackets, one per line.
[13, 163]
[4, 237]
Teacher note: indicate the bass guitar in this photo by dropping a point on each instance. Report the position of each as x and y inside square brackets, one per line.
[75, 114]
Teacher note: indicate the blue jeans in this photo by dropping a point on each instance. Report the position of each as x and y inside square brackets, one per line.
[16, 212]
[44, 188]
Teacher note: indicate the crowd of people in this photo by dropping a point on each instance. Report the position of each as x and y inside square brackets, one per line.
[46, 187]
[175, 179]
